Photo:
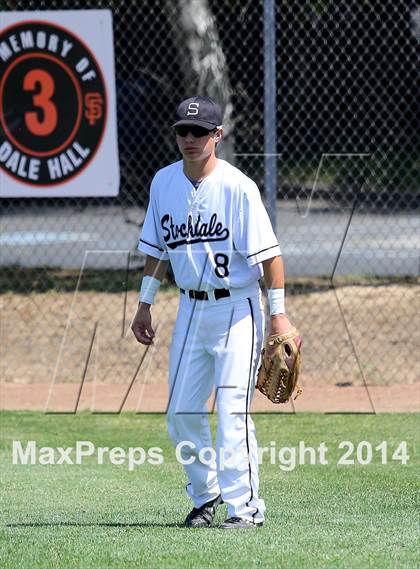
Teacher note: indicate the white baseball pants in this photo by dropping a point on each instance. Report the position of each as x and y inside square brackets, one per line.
[217, 343]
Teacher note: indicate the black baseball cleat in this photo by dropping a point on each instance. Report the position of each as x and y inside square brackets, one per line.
[202, 517]
[239, 523]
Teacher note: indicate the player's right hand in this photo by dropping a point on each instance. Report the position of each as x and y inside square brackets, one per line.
[142, 325]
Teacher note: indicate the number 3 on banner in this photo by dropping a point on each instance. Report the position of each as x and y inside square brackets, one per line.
[42, 100]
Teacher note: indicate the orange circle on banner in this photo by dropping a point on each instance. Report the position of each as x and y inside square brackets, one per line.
[79, 100]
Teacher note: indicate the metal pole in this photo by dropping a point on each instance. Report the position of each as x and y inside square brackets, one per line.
[270, 120]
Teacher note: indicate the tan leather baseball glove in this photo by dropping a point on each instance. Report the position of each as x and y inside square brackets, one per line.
[280, 364]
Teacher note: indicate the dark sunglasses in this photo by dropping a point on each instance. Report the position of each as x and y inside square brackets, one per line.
[196, 131]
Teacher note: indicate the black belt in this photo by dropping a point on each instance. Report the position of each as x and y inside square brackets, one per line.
[202, 294]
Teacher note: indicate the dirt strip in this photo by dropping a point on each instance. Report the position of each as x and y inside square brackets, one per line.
[64, 397]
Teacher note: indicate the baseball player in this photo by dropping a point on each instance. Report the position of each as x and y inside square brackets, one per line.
[207, 219]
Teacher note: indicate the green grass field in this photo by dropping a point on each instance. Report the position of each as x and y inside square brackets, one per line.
[104, 516]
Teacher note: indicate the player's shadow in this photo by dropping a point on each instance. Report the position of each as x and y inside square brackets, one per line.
[93, 524]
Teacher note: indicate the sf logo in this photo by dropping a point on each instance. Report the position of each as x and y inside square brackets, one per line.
[93, 107]
[193, 109]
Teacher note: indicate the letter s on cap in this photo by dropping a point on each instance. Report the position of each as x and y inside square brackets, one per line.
[193, 109]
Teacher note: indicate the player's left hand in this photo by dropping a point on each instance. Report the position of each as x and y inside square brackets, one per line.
[279, 324]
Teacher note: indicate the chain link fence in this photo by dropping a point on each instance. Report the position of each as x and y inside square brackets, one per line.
[347, 188]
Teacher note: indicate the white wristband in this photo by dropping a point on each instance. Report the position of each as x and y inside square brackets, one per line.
[276, 301]
[148, 289]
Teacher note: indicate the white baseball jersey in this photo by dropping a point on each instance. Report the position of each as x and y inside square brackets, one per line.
[215, 236]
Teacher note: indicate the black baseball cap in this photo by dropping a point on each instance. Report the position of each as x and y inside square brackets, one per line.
[200, 111]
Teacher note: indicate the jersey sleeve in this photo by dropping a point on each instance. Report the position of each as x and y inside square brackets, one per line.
[254, 236]
[151, 241]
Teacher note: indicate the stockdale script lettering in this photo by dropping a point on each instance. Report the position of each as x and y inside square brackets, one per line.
[190, 232]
